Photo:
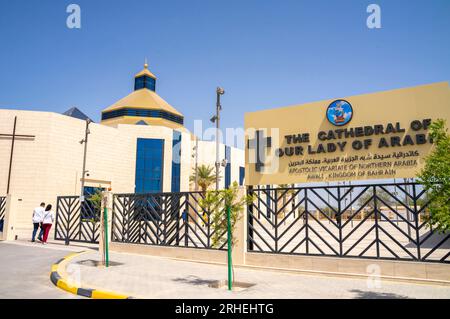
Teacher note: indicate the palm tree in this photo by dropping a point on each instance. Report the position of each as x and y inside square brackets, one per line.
[205, 177]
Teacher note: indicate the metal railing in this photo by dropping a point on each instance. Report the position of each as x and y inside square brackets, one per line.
[381, 221]
[164, 219]
[2, 207]
[76, 221]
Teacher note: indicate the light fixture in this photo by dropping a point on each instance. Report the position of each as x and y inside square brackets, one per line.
[224, 162]
[220, 91]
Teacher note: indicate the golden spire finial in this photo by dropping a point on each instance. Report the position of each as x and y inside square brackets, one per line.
[146, 64]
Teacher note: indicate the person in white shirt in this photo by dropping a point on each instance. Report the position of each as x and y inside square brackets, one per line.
[38, 214]
[47, 221]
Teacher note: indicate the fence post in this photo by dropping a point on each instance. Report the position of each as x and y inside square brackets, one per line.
[377, 235]
[9, 220]
[240, 234]
[163, 212]
[113, 218]
[176, 214]
[229, 249]
[249, 214]
[339, 221]
[186, 223]
[306, 221]
[416, 220]
[276, 213]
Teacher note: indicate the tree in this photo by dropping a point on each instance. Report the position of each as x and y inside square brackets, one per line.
[215, 204]
[435, 176]
[381, 194]
[330, 211]
[92, 206]
[205, 177]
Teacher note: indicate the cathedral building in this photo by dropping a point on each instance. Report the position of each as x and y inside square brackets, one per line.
[140, 146]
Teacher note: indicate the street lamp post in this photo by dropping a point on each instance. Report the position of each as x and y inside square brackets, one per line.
[216, 119]
[85, 142]
[195, 156]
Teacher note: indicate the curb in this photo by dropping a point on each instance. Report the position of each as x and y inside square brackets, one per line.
[64, 284]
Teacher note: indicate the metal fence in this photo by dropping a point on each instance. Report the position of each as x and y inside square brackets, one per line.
[165, 219]
[2, 207]
[76, 221]
[382, 221]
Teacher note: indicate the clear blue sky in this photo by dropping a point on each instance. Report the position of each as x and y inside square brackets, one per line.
[264, 53]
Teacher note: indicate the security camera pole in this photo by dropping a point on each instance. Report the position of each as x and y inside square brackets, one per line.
[85, 142]
[216, 119]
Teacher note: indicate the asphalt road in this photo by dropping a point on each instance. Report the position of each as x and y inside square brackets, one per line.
[25, 271]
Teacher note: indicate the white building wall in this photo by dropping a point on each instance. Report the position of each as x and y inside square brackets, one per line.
[237, 160]
[207, 156]
[186, 160]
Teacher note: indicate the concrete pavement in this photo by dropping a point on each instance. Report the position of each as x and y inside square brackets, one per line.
[25, 269]
[25, 274]
[156, 277]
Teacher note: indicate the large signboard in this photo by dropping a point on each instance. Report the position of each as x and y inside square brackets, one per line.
[372, 136]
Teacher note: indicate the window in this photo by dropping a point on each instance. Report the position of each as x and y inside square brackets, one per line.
[241, 175]
[176, 161]
[149, 165]
[144, 82]
[139, 83]
[143, 113]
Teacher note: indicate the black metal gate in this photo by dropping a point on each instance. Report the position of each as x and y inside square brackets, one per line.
[76, 221]
[382, 221]
[164, 219]
[2, 211]
[2, 207]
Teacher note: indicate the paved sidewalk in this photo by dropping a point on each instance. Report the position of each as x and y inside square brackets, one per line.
[25, 270]
[155, 277]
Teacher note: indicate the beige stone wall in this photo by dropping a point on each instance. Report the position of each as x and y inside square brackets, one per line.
[51, 164]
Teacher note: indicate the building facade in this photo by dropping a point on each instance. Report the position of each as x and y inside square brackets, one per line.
[140, 145]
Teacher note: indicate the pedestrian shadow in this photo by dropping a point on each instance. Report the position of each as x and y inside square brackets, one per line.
[361, 294]
[194, 280]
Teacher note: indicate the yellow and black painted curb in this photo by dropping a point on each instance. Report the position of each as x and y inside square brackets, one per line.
[64, 284]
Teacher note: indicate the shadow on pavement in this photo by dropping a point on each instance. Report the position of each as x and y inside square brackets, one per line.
[97, 263]
[361, 294]
[194, 280]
